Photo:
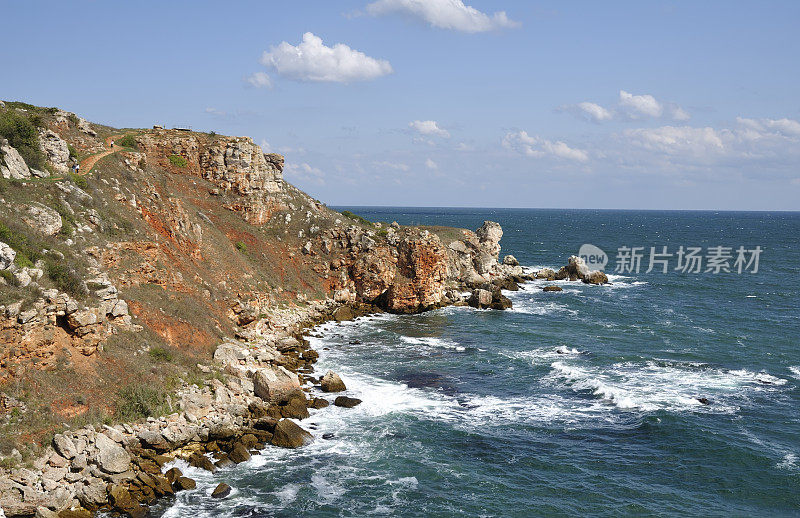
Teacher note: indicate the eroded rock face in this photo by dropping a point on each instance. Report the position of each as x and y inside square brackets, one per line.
[7, 256]
[11, 163]
[56, 150]
[42, 218]
[235, 165]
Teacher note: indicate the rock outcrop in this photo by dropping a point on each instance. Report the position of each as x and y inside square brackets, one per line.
[12, 164]
[55, 149]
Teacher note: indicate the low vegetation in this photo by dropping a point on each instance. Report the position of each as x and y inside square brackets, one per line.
[20, 129]
[178, 161]
[356, 217]
[66, 279]
[128, 141]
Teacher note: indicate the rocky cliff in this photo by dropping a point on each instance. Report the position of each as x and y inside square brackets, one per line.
[174, 274]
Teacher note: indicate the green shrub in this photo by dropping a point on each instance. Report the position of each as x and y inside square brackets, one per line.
[73, 119]
[242, 247]
[66, 279]
[383, 232]
[72, 153]
[356, 217]
[128, 141]
[79, 181]
[140, 401]
[178, 161]
[9, 278]
[21, 132]
[28, 252]
[160, 354]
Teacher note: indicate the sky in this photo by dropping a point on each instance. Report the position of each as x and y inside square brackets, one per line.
[473, 103]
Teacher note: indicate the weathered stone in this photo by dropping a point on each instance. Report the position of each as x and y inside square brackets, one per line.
[596, 277]
[480, 298]
[42, 218]
[7, 256]
[275, 384]
[173, 474]
[343, 313]
[239, 453]
[346, 402]
[12, 164]
[221, 491]
[552, 288]
[296, 408]
[55, 149]
[331, 382]
[510, 260]
[111, 457]
[184, 484]
[289, 435]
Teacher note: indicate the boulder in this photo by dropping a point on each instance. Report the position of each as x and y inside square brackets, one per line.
[546, 273]
[239, 453]
[184, 484]
[7, 256]
[552, 288]
[500, 301]
[331, 382]
[480, 298]
[121, 500]
[296, 408]
[111, 457]
[319, 403]
[221, 491]
[42, 218]
[596, 277]
[346, 402]
[275, 384]
[12, 164]
[173, 474]
[343, 313]
[64, 446]
[289, 435]
[510, 260]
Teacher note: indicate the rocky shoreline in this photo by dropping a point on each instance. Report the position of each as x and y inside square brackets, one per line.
[260, 390]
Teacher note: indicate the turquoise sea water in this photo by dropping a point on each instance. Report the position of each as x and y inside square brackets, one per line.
[583, 402]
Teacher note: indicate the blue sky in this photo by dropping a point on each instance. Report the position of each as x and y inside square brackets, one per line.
[668, 105]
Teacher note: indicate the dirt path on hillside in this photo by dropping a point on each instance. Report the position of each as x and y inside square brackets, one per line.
[89, 162]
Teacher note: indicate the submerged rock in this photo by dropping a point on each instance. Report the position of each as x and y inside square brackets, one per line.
[346, 402]
[221, 491]
[552, 288]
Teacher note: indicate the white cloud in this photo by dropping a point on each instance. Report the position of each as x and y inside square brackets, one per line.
[640, 105]
[310, 60]
[259, 80]
[537, 147]
[265, 147]
[430, 164]
[429, 128]
[214, 111]
[398, 166]
[678, 140]
[769, 141]
[764, 127]
[594, 111]
[629, 107]
[444, 14]
[304, 172]
[463, 146]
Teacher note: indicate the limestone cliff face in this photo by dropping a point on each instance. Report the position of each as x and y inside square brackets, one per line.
[236, 165]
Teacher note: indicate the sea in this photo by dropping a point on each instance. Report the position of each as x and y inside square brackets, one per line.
[670, 393]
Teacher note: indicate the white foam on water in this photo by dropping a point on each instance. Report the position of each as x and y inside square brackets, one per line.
[288, 494]
[789, 461]
[652, 386]
[542, 355]
[432, 341]
[795, 370]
